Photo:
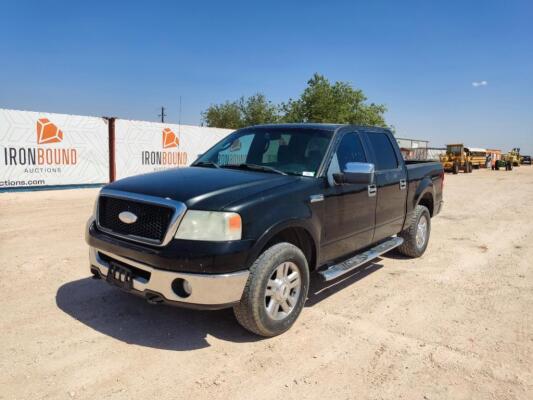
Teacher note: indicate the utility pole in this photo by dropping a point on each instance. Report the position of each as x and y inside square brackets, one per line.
[162, 115]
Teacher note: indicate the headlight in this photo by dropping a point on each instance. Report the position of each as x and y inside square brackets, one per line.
[210, 225]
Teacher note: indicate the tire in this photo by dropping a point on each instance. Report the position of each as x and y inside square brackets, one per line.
[411, 247]
[455, 168]
[252, 312]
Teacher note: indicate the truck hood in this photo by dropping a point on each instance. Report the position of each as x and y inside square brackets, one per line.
[202, 188]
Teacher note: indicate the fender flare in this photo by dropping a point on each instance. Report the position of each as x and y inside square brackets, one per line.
[271, 232]
[425, 187]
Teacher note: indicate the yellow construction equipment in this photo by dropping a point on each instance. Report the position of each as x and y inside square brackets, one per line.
[457, 158]
[513, 156]
[509, 160]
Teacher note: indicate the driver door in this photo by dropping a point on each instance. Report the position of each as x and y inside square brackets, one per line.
[349, 208]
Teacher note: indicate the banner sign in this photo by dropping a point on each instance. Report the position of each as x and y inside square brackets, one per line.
[44, 149]
[142, 147]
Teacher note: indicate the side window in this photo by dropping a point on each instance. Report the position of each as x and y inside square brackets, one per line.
[350, 150]
[383, 151]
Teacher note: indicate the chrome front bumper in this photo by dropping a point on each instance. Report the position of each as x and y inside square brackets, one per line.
[209, 290]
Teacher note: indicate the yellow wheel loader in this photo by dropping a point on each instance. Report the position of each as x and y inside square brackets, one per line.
[456, 159]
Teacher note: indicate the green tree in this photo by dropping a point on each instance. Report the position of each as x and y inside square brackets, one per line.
[253, 110]
[225, 115]
[339, 102]
[321, 101]
[257, 110]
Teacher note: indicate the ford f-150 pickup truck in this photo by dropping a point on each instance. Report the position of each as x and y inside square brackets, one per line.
[249, 221]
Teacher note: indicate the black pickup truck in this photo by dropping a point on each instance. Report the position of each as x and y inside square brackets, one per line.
[255, 215]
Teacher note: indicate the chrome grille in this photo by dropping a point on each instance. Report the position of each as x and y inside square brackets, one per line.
[157, 219]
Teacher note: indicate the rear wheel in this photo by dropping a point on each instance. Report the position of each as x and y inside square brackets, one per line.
[416, 237]
[275, 292]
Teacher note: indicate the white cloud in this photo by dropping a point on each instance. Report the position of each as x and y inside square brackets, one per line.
[479, 83]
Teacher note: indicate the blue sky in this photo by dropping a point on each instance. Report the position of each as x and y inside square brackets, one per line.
[419, 58]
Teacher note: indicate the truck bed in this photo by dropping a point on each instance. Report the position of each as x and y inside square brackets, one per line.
[418, 169]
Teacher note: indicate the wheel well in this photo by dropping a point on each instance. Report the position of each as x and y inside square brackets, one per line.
[299, 237]
[427, 201]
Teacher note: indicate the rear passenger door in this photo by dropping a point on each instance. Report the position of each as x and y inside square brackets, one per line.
[391, 182]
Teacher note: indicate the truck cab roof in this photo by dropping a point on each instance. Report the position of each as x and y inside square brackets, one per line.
[321, 126]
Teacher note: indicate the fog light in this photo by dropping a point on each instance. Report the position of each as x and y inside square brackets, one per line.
[181, 287]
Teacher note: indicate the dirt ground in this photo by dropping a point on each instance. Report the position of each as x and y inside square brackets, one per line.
[454, 324]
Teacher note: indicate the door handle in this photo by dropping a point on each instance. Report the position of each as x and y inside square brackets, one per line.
[372, 190]
[403, 184]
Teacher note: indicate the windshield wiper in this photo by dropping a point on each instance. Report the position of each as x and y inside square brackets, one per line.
[206, 164]
[255, 167]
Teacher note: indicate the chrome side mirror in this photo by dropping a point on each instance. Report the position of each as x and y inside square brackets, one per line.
[356, 172]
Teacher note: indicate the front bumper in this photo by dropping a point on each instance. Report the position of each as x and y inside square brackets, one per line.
[187, 256]
[209, 291]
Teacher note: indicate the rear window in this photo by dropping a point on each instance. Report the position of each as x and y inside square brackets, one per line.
[383, 151]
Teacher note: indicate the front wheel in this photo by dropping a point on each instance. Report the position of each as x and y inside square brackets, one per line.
[455, 169]
[416, 237]
[275, 292]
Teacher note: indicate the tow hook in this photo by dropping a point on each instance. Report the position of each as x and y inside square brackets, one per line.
[96, 273]
[154, 298]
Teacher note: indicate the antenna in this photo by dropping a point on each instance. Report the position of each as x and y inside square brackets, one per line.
[162, 115]
[179, 119]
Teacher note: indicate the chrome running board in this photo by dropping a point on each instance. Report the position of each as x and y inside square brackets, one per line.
[350, 264]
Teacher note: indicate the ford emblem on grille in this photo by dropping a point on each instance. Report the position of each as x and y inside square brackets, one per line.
[127, 217]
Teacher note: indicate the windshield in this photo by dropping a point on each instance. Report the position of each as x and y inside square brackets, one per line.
[456, 149]
[295, 151]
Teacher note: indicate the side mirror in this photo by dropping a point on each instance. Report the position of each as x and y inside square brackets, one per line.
[356, 172]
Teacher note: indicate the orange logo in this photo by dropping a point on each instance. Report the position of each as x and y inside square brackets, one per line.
[47, 132]
[170, 139]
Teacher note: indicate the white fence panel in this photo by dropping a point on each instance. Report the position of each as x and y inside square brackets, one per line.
[142, 147]
[45, 149]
